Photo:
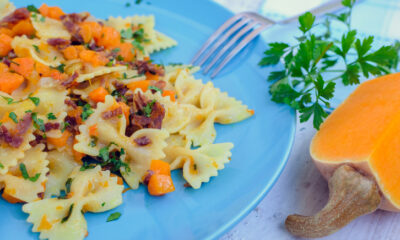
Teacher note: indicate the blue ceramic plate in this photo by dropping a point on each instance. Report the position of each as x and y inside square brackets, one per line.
[262, 143]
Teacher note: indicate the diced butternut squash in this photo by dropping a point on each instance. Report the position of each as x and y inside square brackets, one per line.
[10, 198]
[71, 52]
[160, 184]
[98, 94]
[61, 141]
[86, 32]
[126, 51]
[150, 76]
[95, 29]
[170, 94]
[144, 85]
[10, 81]
[42, 70]
[125, 110]
[3, 67]
[6, 31]
[92, 57]
[51, 12]
[160, 167]
[5, 44]
[93, 131]
[23, 66]
[109, 38]
[23, 27]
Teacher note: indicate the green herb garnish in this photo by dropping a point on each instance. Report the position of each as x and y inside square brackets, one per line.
[87, 111]
[51, 116]
[32, 8]
[87, 166]
[13, 117]
[149, 108]
[68, 214]
[155, 89]
[35, 100]
[112, 158]
[115, 50]
[102, 204]
[25, 174]
[128, 4]
[38, 123]
[302, 82]
[93, 142]
[65, 125]
[9, 100]
[1, 165]
[36, 47]
[114, 216]
[68, 185]
[60, 67]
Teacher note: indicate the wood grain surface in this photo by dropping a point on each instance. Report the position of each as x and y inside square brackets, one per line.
[301, 189]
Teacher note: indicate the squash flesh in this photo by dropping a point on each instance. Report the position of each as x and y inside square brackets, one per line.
[366, 129]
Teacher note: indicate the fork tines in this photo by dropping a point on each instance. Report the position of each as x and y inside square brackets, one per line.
[228, 40]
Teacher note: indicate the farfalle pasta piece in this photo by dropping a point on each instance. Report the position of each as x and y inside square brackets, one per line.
[113, 131]
[61, 164]
[46, 54]
[198, 164]
[92, 190]
[206, 105]
[155, 41]
[17, 188]
[6, 8]
[176, 117]
[99, 71]
[47, 28]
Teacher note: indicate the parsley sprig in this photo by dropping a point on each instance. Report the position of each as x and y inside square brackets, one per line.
[303, 83]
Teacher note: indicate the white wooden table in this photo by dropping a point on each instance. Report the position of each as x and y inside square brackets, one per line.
[301, 189]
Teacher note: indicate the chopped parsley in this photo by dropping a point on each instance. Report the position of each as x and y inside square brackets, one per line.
[25, 174]
[112, 158]
[115, 50]
[65, 125]
[51, 116]
[138, 1]
[93, 142]
[13, 117]
[32, 8]
[35, 100]
[155, 89]
[68, 214]
[1, 165]
[126, 33]
[128, 4]
[38, 123]
[87, 111]
[36, 47]
[9, 100]
[103, 204]
[60, 67]
[120, 58]
[87, 166]
[68, 185]
[149, 108]
[114, 216]
[138, 45]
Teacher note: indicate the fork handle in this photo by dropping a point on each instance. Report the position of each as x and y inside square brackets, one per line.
[328, 7]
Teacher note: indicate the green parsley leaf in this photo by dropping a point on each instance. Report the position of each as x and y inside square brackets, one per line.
[25, 174]
[38, 123]
[9, 100]
[306, 22]
[35, 100]
[87, 111]
[86, 166]
[32, 8]
[71, 207]
[149, 108]
[13, 117]
[273, 54]
[115, 50]
[138, 45]
[138, 1]
[1, 165]
[114, 216]
[51, 116]
[68, 185]
[36, 47]
[60, 68]
[155, 89]
[65, 125]
[102, 204]
[126, 33]
[128, 4]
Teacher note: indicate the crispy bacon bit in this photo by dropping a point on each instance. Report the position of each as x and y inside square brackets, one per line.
[51, 126]
[15, 140]
[112, 113]
[71, 23]
[120, 87]
[40, 195]
[187, 185]
[82, 85]
[94, 47]
[39, 139]
[59, 43]
[142, 141]
[144, 67]
[146, 179]
[72, 124]
[16, 16]
[70, 103]
[71, 80]
[139, 102]
[158, 84]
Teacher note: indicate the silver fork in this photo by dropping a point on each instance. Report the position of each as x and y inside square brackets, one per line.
[236, 33]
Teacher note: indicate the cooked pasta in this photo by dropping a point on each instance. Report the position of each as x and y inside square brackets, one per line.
[83, 109]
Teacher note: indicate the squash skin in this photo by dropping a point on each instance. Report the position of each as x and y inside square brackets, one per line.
[361, 162]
